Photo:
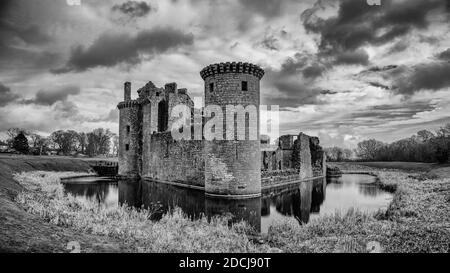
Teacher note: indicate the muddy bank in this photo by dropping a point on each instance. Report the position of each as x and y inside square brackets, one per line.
[23, 232]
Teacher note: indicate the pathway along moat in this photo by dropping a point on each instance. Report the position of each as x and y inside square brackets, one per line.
[302, 201]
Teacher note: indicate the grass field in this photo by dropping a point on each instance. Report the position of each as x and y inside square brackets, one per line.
[410, 166]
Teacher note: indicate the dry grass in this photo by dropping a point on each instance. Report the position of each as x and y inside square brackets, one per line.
[418, 220]
[44, 196]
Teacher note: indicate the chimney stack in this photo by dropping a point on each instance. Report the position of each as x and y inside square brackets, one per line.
[127, 91]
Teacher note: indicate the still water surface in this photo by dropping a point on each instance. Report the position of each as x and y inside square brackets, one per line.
[302, 201]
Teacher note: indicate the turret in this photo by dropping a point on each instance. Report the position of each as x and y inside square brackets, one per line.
[233, 164]
[130, 132]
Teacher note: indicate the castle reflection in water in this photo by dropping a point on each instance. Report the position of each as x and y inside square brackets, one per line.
[298, 201]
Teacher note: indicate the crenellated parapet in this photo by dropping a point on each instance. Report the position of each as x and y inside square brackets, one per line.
[128, 104]
[232, 67]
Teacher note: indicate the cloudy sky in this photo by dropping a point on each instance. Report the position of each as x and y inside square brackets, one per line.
[342, 70]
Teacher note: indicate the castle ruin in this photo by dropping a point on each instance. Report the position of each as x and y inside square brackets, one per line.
[221, 168]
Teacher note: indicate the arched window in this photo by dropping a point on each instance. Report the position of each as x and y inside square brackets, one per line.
[163, 116]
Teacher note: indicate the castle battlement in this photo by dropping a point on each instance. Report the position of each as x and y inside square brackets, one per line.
[232, 67]
[128, 104]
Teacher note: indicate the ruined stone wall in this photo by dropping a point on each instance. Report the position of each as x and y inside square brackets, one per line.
[317, 154]
[286, 142]
[269, 160]
[175, 160]
[301, 156]
[171, 96]
[286, 159]
[151, 97]
[130, 141]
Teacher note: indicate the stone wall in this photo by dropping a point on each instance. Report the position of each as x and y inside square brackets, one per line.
[232, 167]
[316, 156]
[301, 156]
[172, 160]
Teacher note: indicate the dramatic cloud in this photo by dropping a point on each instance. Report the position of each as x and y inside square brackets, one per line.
[398, 47]
[313, 71]
[327, 63]
[293, 81]
[380, 113]
[111, 49]
[112, 116]
[6, 96]
[270, 42]
[66, 109]
[352, 57]
[445, 55]
[268, 8]
[133, 8]
[358, 24]
[430, 76]
[52, 95]
[11, 31]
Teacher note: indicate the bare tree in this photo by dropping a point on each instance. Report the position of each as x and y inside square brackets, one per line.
[99, 142]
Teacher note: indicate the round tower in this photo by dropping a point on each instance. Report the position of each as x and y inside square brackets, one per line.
[233, 164]
[129, 134]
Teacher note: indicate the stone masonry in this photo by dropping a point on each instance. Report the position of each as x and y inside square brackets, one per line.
[223, 168]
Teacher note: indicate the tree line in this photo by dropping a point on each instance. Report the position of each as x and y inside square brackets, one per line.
[99, 141]
[424, 146]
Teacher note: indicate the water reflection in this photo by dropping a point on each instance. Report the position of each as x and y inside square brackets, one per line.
[246, 209]
[301, 201]
[103, 192]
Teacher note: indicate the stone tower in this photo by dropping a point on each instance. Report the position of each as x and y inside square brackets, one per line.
[233, 167]
[129, 134]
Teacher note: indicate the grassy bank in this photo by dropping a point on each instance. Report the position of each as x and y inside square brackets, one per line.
[418, 220]
[10, 164]
[44, 196]
[21, 231]
[42, 218]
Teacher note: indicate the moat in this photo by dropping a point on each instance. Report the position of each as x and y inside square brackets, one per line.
[302, 201]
